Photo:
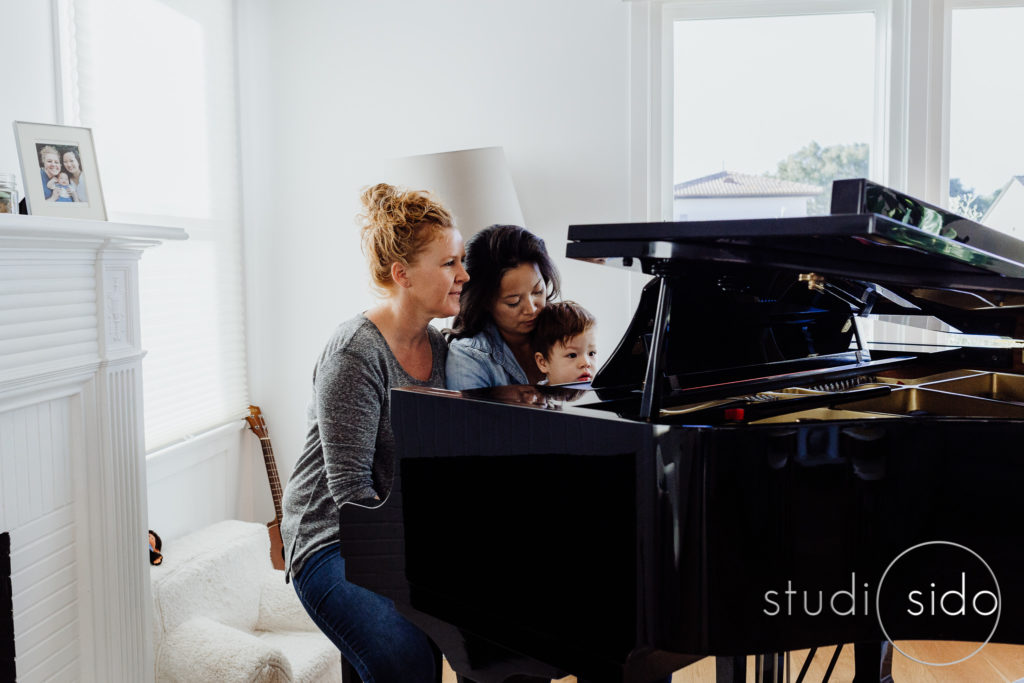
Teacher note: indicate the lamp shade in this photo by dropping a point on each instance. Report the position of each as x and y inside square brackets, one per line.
[474, 184]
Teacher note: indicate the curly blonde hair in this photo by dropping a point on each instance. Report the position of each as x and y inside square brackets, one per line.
[395, 225]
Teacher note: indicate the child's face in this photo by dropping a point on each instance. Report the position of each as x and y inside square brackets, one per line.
[574, 361]
[63, 178]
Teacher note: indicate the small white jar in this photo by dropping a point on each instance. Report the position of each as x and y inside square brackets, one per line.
[8, 193]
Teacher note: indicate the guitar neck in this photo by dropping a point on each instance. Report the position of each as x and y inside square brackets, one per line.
[276, 492]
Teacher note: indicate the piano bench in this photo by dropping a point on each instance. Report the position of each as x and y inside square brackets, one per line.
[348, 673]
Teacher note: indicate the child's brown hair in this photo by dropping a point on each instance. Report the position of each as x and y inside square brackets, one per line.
[559, 322]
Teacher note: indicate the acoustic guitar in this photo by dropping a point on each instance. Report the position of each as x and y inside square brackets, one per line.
[259, 428]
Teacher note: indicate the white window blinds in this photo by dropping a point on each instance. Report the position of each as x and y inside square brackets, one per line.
[155, 80]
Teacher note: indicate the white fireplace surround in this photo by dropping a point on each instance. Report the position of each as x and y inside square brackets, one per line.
[72, 456]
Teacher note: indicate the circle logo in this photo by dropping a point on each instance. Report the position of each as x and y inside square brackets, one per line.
[935, 590]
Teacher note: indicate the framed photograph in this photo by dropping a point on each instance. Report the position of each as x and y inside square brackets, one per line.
[58, 171]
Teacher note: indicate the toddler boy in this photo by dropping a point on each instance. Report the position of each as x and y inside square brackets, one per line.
[564, 343]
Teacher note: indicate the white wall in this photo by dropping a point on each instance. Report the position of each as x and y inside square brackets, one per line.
[336, 87]
[29, 91]
[199, 482]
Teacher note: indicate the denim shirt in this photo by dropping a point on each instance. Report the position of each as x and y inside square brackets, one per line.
[483, 360]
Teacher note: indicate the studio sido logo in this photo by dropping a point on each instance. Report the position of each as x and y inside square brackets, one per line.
[935, 590]
[938, 590]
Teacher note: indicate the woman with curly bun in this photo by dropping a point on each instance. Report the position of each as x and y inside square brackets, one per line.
[415, 256]
[512, 279]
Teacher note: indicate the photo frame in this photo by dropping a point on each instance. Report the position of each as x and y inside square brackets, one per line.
[59, 173]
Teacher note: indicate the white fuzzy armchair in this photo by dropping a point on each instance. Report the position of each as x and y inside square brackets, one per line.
[222, 613]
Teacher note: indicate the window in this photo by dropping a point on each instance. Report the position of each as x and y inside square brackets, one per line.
[155, 80]
[986, 139]
[721, 86]
[768, 111]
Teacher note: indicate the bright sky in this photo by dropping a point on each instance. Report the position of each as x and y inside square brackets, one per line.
[986, 144]
[749, 92]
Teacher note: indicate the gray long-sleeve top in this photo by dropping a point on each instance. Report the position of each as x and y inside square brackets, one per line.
[349, 454]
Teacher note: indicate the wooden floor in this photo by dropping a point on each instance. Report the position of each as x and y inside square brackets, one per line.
[994, 663]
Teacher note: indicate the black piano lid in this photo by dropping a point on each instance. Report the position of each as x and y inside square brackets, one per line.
[873, 234]
[737, 285]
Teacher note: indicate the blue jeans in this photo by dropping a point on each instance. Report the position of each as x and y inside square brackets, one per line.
[382, 645]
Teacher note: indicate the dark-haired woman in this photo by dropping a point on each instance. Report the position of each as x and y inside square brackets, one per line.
[511, 279]
[415, 258]
[73, 165]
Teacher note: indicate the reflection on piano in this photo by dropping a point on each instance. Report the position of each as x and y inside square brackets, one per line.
[748, 441]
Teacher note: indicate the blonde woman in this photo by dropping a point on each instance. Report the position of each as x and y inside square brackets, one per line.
[49, 169]
[415, 256]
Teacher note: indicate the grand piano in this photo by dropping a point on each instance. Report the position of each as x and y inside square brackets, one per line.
[810, 434]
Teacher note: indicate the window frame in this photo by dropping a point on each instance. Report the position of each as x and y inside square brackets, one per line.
[910, 149]
[168, 425]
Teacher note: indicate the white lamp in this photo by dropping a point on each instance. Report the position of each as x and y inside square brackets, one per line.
[474, 184]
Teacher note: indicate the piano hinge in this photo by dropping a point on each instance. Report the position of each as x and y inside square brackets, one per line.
[814, 281]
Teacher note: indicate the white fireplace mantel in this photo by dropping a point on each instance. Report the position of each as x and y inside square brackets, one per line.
[72, 456]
